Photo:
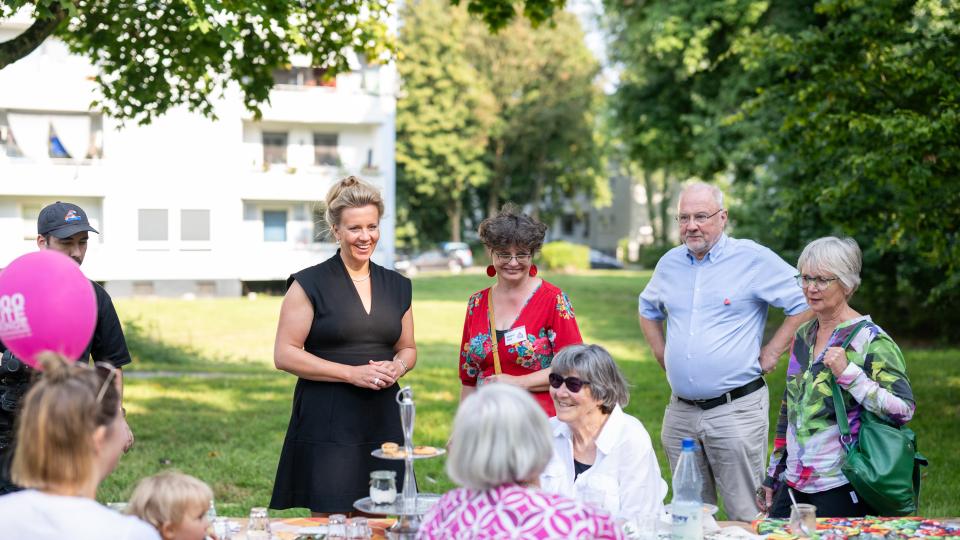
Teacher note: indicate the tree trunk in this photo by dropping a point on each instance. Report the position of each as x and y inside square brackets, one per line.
[665, 208]
[648, 185]
[24, 44]
[493, 196]
[455, 216]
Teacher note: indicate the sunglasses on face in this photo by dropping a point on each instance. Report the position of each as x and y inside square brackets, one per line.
[574, 384]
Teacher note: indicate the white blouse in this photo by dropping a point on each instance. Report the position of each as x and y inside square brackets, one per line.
[625, 473]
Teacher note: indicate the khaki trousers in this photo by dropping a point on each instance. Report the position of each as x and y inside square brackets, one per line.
[733, 437]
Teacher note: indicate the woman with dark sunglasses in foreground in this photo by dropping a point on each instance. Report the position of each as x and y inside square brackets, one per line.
[601, 454]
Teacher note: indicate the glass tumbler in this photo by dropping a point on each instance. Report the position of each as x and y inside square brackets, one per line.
[803, 520]
[358, 529]
[258, 527]
[337, 527]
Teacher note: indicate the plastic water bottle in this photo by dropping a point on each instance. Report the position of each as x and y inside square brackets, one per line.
[687, 505]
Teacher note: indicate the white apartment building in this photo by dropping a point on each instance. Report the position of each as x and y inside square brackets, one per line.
[189, 205]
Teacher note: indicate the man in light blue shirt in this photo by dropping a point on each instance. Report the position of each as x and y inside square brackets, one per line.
[714, 292]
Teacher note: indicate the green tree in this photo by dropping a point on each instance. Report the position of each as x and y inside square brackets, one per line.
[830, 116]
[443, 117]
[151, 56]
[544, 146]
[862, 138]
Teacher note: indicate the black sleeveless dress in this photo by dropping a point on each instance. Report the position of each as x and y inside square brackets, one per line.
[325, 463]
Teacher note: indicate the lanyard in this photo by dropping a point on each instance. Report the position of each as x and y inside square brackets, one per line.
[493, 333]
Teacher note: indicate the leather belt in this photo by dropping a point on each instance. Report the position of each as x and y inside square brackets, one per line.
[736, 393]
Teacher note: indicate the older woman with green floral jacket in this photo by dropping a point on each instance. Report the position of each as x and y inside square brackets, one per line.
[871, 372]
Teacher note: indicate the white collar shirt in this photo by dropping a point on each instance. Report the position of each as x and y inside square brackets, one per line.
[625, 472]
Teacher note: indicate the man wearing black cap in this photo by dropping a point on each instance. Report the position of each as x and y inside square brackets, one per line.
[64, 227]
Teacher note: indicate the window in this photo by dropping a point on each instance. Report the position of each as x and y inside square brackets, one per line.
[274, 225]
[152, 225]
[304, 76]
[274, 148]
[56, 148]
[195, 225]
[325, 149]
[8, 144]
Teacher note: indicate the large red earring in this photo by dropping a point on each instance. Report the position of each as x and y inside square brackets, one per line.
[533, 270]
[491, 270]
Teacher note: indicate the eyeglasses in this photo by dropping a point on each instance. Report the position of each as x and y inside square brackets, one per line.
[818, 282]
[574, 384]
[699, 219]
[108, 380]
[505, 258]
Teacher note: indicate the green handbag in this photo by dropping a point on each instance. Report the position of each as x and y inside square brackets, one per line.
[883, 466]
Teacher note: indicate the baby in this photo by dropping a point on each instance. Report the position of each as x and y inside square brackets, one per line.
[174, 503]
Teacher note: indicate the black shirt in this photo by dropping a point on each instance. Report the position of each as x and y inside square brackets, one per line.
[579, 468]
[108, 343]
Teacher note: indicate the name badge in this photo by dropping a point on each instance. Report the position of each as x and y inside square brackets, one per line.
[515, 336]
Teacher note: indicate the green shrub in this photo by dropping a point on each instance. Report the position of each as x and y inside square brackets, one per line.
[650, 254]
[565, 257]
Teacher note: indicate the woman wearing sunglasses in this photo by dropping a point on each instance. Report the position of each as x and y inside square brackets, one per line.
[530, 318]
[601, 454]
[73, 440]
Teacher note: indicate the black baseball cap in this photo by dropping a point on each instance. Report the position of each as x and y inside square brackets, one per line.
[63, 220]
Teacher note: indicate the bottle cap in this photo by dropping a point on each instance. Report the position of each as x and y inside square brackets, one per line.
[688, 444]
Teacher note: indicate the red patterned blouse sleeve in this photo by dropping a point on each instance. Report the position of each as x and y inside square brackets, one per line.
[475, 343]
[564, 323]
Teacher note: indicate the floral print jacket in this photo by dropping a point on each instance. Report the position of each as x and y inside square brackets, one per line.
[807, 452]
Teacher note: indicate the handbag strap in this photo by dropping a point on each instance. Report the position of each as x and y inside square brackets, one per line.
[845, 438]
[493, 333]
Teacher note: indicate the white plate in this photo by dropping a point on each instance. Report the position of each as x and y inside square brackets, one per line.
[378, 453]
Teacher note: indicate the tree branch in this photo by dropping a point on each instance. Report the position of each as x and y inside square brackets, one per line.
[24, 44]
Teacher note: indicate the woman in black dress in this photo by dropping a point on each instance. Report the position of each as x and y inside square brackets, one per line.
[346, 330]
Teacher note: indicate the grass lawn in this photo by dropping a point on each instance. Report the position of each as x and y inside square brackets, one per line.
[206, 399]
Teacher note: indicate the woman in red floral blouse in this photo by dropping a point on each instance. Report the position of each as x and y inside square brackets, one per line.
[533, 319]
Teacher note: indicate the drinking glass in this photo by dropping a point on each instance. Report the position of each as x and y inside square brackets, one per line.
[337, 528]
[258, 528]
[358, 529]
[221, 528]
[803, 520]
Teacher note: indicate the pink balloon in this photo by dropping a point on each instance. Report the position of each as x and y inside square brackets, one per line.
[46, 304]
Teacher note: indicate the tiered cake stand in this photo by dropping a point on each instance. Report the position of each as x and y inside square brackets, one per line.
[410, 505]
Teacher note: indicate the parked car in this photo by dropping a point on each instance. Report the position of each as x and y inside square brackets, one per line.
[460, 250]
[434, 259]
[599, 259]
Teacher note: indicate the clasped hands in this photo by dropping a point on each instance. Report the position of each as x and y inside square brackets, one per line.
[376, 374]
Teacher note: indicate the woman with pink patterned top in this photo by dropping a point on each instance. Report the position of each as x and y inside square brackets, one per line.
[500, 445]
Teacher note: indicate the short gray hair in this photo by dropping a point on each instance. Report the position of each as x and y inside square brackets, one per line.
[500, 436]
[594, 365]
[838, 256]
[698, 186]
